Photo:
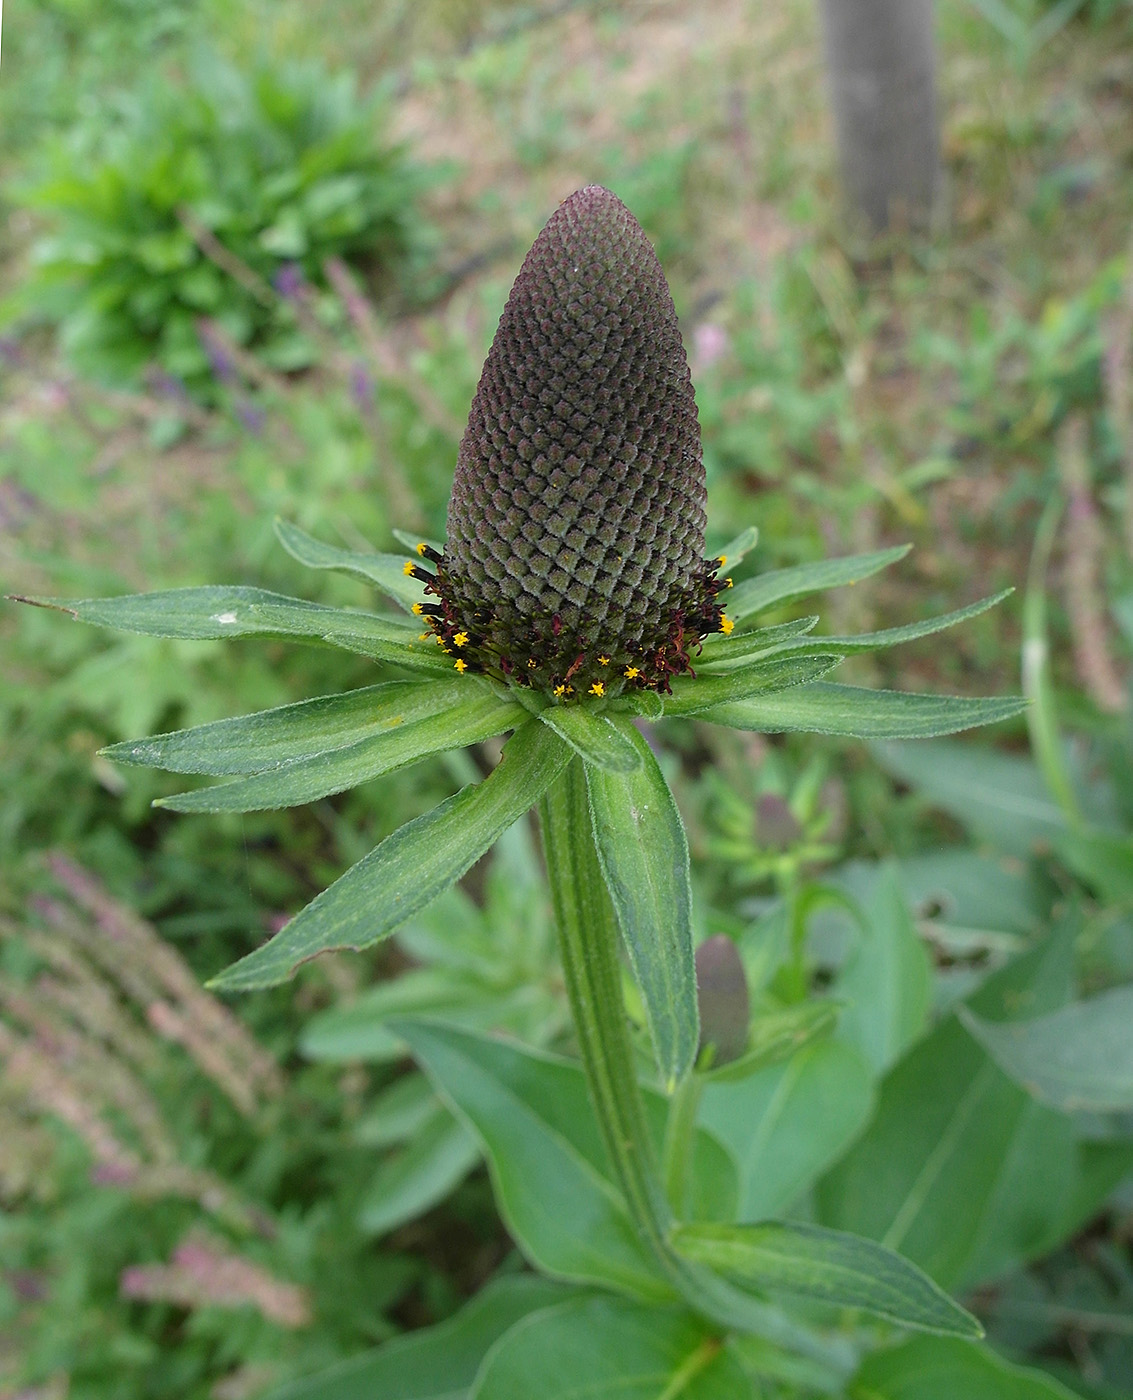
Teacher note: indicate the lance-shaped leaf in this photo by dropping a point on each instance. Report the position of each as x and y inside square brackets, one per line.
[641, 845]
[760, 678]
[735, 550]
[477, 715]
[941, 1368]
[410, 867]
[596, 737]
[861, 714]
[273, 738]
[206, 614]
[385, 571]
[720, 658]
[723, 653]
[829, 1265]
[756, 595]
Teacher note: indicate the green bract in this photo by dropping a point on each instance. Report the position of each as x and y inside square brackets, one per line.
[571, 599]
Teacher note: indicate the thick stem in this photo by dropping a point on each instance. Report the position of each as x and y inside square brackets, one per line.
[588, 942]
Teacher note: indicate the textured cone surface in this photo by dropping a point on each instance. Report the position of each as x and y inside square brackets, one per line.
[576, 523]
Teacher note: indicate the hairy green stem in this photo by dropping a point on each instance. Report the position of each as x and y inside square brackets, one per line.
[588, 942]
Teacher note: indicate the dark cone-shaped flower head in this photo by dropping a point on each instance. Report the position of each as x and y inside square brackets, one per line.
[574, 559]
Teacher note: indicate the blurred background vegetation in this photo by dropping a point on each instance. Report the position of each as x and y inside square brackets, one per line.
[251, 258]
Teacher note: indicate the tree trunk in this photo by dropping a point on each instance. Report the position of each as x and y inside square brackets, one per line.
[880, 63]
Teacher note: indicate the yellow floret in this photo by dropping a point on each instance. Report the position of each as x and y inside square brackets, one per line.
[559, 690]
[460, 664]
[408, 567]
[597, 688]
[421, 548]
[631, 673]
[460, 640]
[603, 661]
[726, 625]
[417, 609]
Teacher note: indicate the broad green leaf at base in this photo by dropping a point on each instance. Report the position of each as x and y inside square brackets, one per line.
[938, 1368]
[410, 867]
[610, 1349]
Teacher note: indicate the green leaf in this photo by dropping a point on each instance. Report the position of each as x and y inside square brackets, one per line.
[696, 695]
[537, 1106]
[887, 983]
[775, 1036]
[721, 653]
[272, 738]
[556, 1202]
[411, 866]
[938, 1368]
[1078, 1058]
[385, 571]
[472, 716]
[596, 737]
[844, 1270]
[735, 550]
[721, 658]
[205, 614]
[960, 1170]
[861, 714]
[640, 840]
[415, 1178]
[610, 1349]
[1103, 860]
[787, 1124]
[434, 1363]
[998, 797]
[756, 595]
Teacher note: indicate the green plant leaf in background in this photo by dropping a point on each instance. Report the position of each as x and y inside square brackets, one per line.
[434, 1363]
[854, 713]
[887, 983]
[554, 1197]
[438, 1156]
[830, 1266]
[610, 1349]
[641, 845]
[960, 1170]
[788, 1123]
[939, 1368]
[1078, 1058]
[412, 866]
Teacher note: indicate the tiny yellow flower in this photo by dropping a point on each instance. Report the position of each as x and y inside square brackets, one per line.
[597, 688]
[726, 625]
[559, 690]
[631, 673]
[416, 609]
[408, 568]
[460, 640]
[422, 547]
[721, 560]
[603, 661]
[728, 581]
[531, 663]
[461, 665]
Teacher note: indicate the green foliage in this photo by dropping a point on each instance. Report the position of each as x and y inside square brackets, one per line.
[202, 195]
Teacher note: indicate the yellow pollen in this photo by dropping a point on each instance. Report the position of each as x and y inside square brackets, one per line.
[416, 609]
[603, 661]
[570, 689]
[408, 568]
[597, 688]
[531, 663]
[721, 560]
[460, 640]
[421, 548]
[440, 641]
[461, 665]
[631, 673]
[728, 581]
[424, 636]
[726, 625]
[559, 690]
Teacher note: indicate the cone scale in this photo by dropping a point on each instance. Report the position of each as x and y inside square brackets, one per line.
[574, 560]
